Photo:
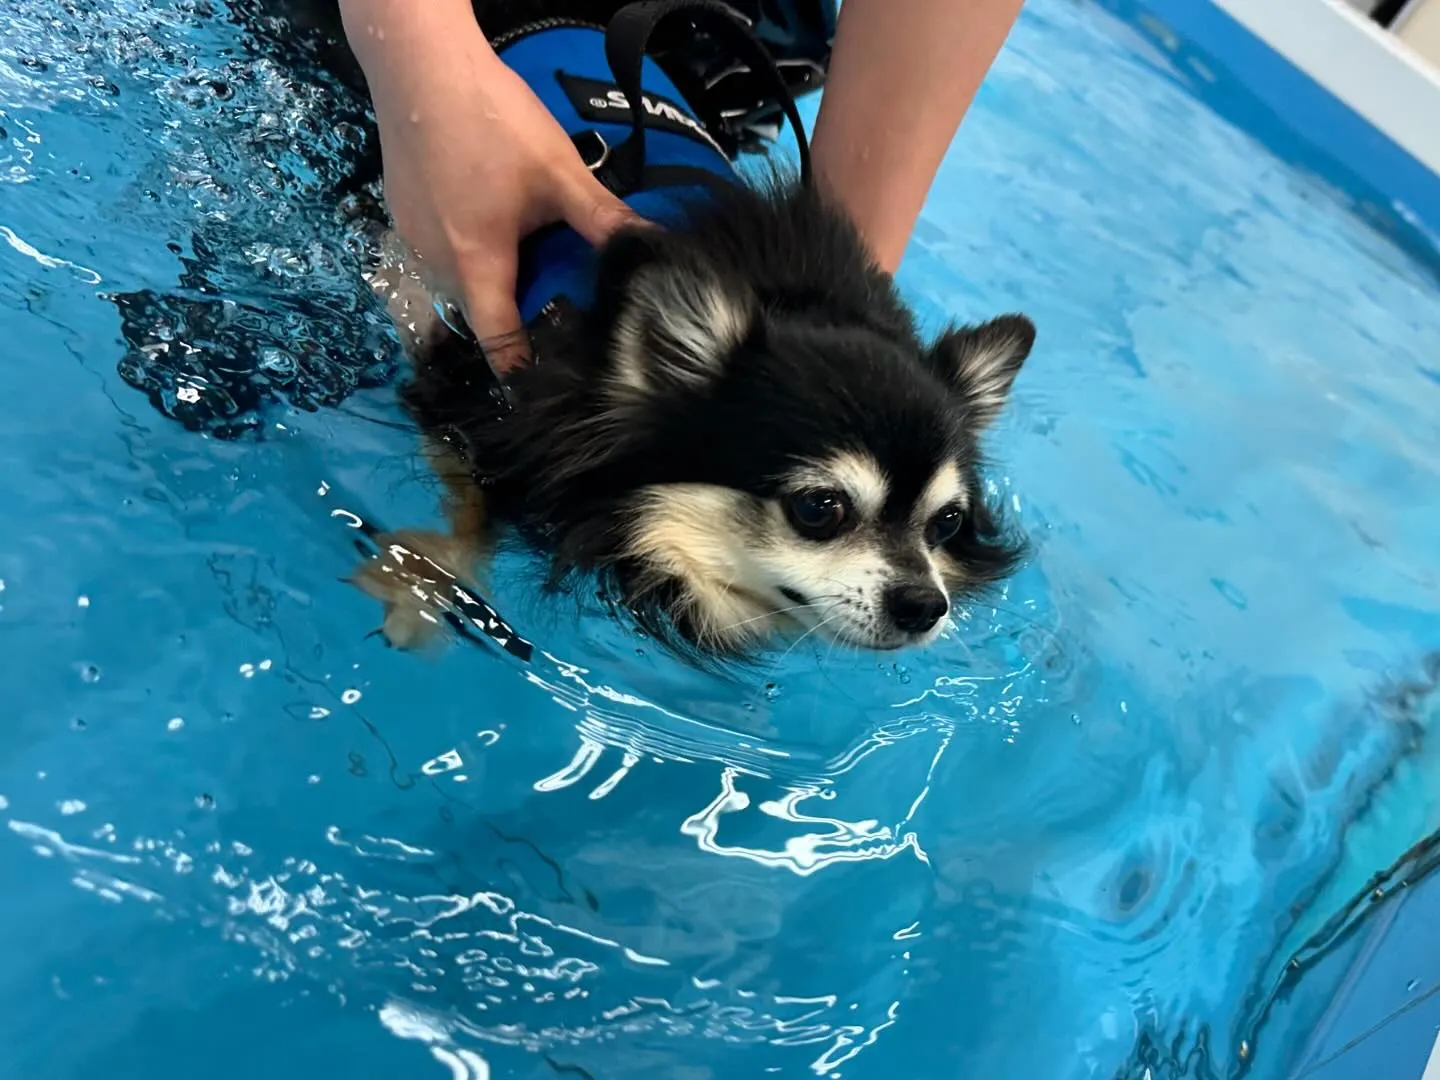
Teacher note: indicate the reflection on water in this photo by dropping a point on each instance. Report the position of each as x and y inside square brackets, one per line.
[1084, 836]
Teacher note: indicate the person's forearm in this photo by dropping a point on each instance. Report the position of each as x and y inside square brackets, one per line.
[400, 42]
[902, 75]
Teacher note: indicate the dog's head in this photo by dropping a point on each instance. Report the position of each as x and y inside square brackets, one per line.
[779, 447]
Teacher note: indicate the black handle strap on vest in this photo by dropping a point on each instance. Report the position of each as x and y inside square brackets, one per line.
[628, 36]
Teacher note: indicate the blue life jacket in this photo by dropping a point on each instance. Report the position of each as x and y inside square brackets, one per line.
[587, 76]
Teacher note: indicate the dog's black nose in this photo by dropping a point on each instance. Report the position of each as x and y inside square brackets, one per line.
[915, 608]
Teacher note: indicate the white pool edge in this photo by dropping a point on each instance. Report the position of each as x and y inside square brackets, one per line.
[1372, 71]
[1432, 1067]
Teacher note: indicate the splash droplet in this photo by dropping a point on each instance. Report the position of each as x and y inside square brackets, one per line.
[205, 801]
[175, 724]
[349, 697]
[89, 673]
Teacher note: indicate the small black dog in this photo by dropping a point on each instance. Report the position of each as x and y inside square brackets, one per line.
[744, 433]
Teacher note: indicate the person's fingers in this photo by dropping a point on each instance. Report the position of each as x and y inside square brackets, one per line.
[494, 318]
[590, 208]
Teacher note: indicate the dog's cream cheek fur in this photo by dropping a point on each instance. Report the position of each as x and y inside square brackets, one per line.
[842, 582]
[688, 532]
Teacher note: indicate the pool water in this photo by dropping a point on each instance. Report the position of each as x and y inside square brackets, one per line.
[1078, 838]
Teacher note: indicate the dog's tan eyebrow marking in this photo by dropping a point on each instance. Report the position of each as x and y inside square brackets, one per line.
[858, 475]
[945, 487]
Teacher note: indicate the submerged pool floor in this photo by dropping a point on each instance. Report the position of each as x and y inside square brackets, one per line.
[1081, 838]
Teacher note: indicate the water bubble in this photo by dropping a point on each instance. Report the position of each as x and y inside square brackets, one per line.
[175, 724]
[350, 697]
[205, 801]
[1412, 986]
[277, 362]
[82, 601]
[1075, 718]
[77, 723]
[772, 691]
[89, 673]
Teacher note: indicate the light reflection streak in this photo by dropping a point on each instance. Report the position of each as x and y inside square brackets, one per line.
[828, 1062]
[50, 842]
[804, 854]
[406, 1022]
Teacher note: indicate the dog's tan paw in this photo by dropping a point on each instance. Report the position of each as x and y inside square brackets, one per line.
[414, 578]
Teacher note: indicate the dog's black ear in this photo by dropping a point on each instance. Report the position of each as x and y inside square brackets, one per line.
[678, 322]
[981, 362]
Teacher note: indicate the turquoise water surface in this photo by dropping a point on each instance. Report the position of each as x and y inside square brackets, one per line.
[1077, 839]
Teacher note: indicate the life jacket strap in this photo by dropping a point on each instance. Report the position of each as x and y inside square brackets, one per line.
[627, 37]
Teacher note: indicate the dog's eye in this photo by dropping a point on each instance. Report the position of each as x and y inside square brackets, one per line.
[818, 515]
[944, 525]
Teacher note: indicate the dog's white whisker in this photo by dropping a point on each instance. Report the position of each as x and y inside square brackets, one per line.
[795, 644]
[772, 613]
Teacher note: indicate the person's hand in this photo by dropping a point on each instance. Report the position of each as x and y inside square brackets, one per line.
[474, 163]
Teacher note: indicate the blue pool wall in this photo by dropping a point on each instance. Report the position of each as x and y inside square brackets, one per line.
[1385, 1016]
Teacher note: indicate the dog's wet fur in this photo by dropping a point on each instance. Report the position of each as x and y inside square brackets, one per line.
[744, 435]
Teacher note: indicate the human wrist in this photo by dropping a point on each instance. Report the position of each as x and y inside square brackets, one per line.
[409, 49]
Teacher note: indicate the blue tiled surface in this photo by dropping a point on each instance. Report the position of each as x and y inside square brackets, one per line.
[1385, 1017]
[1397, 1051]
